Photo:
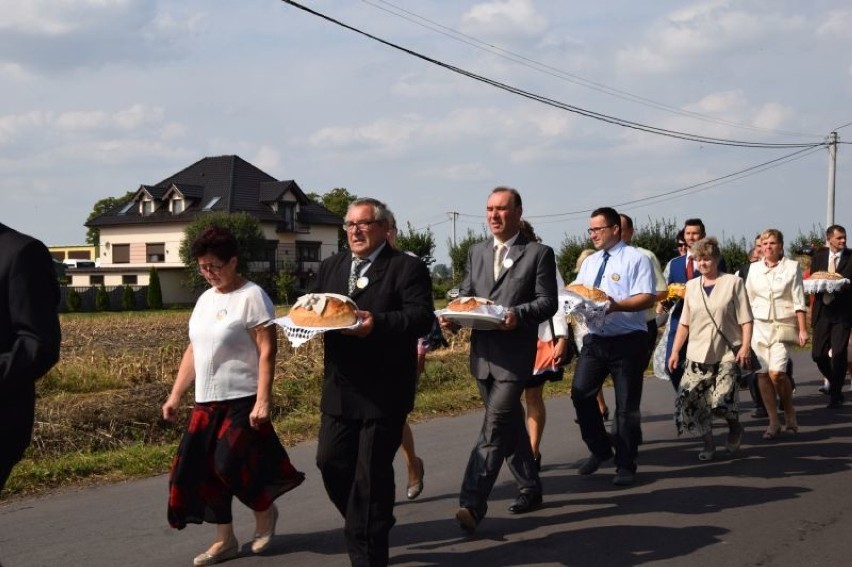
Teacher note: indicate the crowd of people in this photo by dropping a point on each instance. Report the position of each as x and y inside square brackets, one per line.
[724, 330]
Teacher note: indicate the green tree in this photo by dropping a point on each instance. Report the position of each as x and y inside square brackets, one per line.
[735, 253]
[285, 283]
[420, 243]
[658, 236]
[566, 256]
[441, 272]
[93, 234]
[808, 242]
[246, 228]
[101, 299]
[72, 300]
[458, 253]
[337, 201]
[128, 299]
[154, 294]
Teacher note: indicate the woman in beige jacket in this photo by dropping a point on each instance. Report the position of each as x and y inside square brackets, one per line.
[774, 288]
[716, 319]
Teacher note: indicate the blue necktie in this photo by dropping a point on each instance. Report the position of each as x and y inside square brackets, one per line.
[599, 277]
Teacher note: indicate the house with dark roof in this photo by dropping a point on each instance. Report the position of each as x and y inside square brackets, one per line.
[148, 230]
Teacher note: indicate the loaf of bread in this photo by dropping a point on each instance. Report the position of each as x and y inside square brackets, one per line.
[468, 303]
[591, 293]
[324, 310]
[825, 276]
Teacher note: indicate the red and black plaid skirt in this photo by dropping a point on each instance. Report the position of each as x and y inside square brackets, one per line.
[221, 456]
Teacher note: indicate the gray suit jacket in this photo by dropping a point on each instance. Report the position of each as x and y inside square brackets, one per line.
[528, 288]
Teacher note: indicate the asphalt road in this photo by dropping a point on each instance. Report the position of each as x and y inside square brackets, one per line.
[785, 502]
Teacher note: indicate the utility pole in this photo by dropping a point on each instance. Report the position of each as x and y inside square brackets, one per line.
[453, 215]
[832, 169]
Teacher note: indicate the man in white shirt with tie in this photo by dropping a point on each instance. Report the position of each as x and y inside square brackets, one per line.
[832, 315]
[617, 348]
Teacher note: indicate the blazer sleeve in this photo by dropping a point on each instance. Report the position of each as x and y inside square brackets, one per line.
[33, 324]
[417, 314]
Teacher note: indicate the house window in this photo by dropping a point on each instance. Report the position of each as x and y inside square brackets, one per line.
[79, 255]
[288, 212]
[178, 206]
[121, 253]
[147, 207]
[307, 251]
[128, 280]
[96, 280]
[155, 252]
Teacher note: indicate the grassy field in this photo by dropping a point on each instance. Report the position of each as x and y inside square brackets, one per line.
[98, 411]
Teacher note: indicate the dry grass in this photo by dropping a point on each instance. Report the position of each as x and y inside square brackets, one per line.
[98, 410]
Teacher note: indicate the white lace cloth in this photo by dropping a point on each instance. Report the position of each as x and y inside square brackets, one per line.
[300, 335]
[592, 313]
[823, 285]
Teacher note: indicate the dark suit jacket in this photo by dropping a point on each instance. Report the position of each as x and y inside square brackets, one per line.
[840, 309]
[29, 331]
[375, 376]
[528, 287]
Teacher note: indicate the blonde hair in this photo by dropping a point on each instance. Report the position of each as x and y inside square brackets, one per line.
[773, 233]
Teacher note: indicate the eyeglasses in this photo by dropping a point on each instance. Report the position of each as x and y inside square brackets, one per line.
[597, 229]
[360, 225]
[210, 268]
[681, 244]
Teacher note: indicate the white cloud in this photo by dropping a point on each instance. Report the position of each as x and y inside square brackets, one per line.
[128, 119]
[266, 158]
[504, 18]
[837, 24]
[60, 35]
[471, 171]
[688, 35]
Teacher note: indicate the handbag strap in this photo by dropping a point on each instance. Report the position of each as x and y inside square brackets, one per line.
[552, 330]
[715, 324]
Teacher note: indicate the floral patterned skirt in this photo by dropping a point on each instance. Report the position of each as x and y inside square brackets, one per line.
[706, 391]
[220, 456]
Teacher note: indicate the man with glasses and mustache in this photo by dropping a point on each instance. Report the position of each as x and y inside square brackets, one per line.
[370, 376]
[617, 348]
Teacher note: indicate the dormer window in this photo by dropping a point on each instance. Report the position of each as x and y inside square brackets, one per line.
[178, 205]
[146, 207]
[287, 210]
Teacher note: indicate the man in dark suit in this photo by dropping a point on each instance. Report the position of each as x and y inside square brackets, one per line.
[29, 338]
[370, 375]
[520, 276]
[832, 315]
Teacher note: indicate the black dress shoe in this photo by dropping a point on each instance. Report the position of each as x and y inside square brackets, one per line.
[836, 403]
[525, 503]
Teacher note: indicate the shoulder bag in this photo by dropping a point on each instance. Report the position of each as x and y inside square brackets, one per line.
[781, 331]
[752, 364]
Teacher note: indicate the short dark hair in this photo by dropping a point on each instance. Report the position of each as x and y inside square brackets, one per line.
[628, 222]
[216, 240]
[834, 228]
[680, 237]
[609, 214]
[695, 222]
[516, 197]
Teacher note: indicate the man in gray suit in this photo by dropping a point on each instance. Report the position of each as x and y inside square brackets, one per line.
[520, 276]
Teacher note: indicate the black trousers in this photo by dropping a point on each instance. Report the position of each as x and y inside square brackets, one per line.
[355, 458]
[835, 336]
[17, 415]
[503, 437]
[622, 357]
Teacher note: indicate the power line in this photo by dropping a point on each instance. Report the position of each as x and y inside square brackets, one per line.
[560, 73]
[557, 104]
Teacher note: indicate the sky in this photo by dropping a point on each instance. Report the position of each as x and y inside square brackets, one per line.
[98, 97]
